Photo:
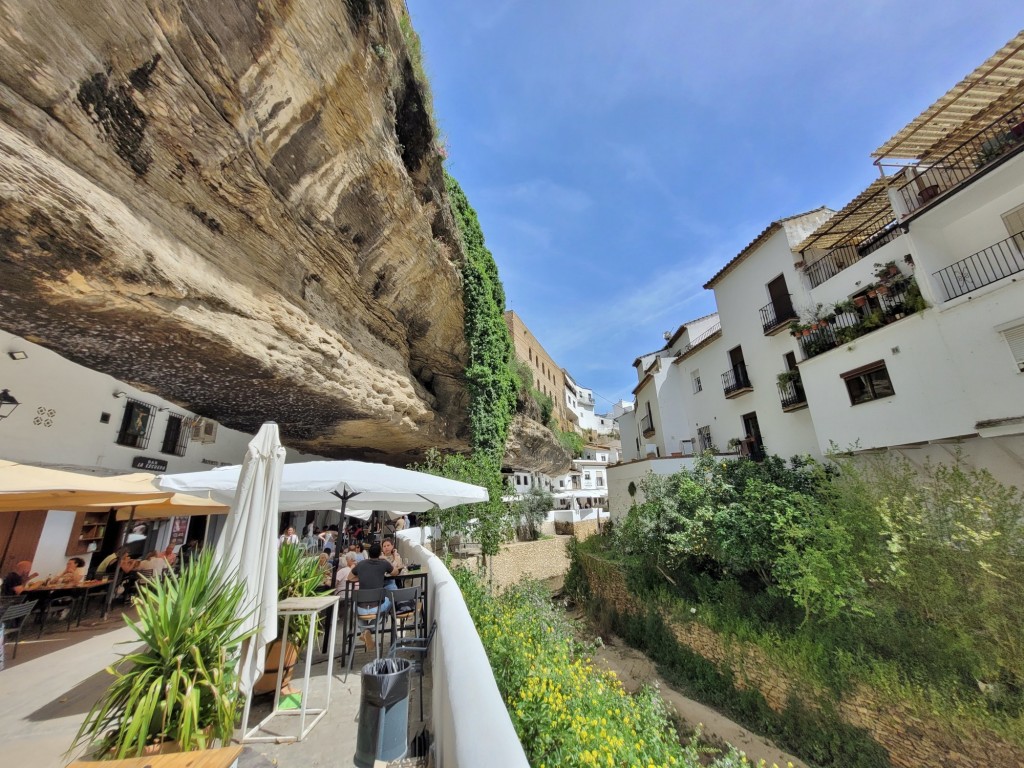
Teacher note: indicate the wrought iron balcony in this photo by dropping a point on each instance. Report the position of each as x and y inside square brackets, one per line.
[882, 305]
[647, 426]
[1001, 138]
[791, 395]
[774, 318]
[735, 381]
[838, 259]
[1001, 260]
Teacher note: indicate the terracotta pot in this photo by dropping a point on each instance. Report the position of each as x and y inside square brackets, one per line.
[860, 301]
[268, 680]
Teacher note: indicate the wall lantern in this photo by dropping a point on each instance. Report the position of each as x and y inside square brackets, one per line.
[17, 355]
[7, 403]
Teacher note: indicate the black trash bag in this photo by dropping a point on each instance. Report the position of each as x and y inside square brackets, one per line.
[383, 712]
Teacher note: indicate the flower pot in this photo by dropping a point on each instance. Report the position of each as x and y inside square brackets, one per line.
[883, 289]
[860, 301]
[268, 680]
[928, 193]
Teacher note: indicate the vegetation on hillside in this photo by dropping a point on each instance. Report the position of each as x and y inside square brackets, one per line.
[490, 375]
[908, 582]
[566, 712]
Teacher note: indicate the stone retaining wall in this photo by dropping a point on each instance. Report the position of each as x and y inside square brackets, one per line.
[541, 559]
[911, 739]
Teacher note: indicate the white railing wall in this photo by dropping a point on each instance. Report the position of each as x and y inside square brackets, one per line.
[469, 719]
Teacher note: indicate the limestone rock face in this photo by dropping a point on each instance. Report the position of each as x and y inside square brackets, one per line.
[531, 446]
[236, 204]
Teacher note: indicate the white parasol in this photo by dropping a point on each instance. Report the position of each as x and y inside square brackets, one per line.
[247, 549]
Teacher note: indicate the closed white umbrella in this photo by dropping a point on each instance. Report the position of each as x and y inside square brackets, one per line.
[247, 549]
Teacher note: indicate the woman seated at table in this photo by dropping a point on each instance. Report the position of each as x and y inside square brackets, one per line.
[71, 576]
[154, 562]
[389, 553]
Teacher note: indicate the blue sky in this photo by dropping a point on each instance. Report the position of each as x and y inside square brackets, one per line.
[618, 154]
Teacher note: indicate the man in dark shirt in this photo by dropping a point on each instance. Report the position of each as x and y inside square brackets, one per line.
[371, 573]
[15, 581]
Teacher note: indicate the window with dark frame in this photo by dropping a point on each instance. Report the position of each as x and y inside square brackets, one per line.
[867, 383]
[136, 424]
[176, 435]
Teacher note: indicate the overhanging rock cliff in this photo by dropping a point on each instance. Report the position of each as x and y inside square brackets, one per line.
[237, 205]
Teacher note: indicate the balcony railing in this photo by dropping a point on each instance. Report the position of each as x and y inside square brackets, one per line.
[647, 426]
[888, 304]
[773, 317]
[1001, 137]
[735, 380]
[838, 259]
[1001, 260]
[791, 395]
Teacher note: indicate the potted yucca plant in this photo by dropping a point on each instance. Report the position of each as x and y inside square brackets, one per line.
[298, 575]
[179, 692]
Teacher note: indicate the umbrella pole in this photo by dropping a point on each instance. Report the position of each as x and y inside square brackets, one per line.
[117, 564]
[337, 546]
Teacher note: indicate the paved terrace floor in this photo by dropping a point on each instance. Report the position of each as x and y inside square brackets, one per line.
[46, 692]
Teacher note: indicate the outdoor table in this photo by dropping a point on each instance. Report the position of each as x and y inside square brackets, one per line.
[298, 606]
[80, 593]
[225, 757]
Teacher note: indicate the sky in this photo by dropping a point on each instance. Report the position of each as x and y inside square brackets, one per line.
[619, 154]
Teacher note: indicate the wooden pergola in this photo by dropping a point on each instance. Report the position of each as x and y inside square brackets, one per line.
[971, 105]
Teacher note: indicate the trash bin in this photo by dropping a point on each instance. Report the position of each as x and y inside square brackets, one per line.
[383, 712]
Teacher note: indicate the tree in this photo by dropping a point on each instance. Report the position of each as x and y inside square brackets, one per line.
[490, 521]
[532, 510]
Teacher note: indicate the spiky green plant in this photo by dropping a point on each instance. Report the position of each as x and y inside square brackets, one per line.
[183, 685]
[298, 575]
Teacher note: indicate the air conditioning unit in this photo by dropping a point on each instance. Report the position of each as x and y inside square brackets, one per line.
[204, 431]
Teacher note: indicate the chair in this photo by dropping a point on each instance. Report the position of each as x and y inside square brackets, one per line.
[372, 622]
[405, 609]
[418, 647]
[8, 601]
[13, 618]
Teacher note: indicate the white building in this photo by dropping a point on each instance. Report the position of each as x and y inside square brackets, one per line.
[70, 417]
[895, 324]
[580, 401]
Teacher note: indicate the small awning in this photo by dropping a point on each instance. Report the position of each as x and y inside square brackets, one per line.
[972, 104]
[27, 487]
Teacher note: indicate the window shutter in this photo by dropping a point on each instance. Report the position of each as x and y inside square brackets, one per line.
[1015, 338]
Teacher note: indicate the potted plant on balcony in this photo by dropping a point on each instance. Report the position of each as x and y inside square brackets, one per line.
[844, 307]
[788, 377]
[179, 691]
[887, 270]
[734, 444]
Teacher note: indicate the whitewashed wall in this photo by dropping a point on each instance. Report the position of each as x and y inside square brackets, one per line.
[471, 724]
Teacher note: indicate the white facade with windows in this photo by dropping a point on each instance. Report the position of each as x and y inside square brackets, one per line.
[71, 417]
[894, 324]
[580, 401]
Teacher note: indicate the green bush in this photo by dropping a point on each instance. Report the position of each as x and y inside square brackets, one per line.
[872, 571]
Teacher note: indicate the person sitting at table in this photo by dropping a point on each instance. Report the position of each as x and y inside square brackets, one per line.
[356, 548]
[389, 553]
[288, 537]
[107, 563]
[370, 573]
[15, 581]
[169, 555]
[350, 562]
[154, 562]
[71, 576]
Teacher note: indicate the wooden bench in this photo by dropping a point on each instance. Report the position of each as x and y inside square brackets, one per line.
[206, 758]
